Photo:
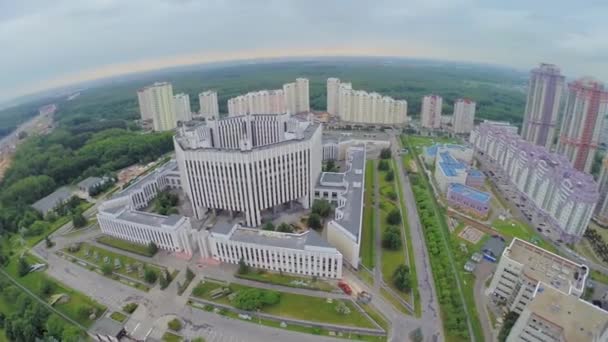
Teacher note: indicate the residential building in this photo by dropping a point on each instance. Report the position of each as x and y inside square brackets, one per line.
[582, 121]
[122, 216]
[333, 95]
[524, 267]
[559, 192]
[601, 212]
[181, 105]
[156, 103]
[208, 102]
[463, 118]
[358, 106]
[545, 91]
[89, 183]
[248, 164]
[297, 96]
[468, 199]
[554, 316]
[303, 253]
[345, 191]
[430, 115]
[258, 102]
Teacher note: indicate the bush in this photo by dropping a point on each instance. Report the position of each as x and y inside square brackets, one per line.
[152, 248]
[46, 288]
[270, 297]
[189, 274]
[390, 176]
[130, 308]
[383, 165]
[78, 220]
[391, 238]
[314, 221]
[321, 207]
[253, 299]
[342, 308]
[243, 267]
[175, 324]
[107, 269]
[84, 312]
[150, 276]
[285, 228]
[401, 278]
[385, 153]
[23, 267]
[268, 226]
[394, 217]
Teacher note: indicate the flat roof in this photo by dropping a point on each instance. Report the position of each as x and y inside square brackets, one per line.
[149, 219]
[89, 182]
[332, 177]
[469, 192]
[355, 177]
[578, 319]
[277, 239]
[449, 165]
[140, 182]
[546, 267]
[475, 173]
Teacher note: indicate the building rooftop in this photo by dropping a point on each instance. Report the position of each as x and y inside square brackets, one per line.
[89, 182]
[546, 267]
[577, 319]
[280, 240]
[449, 165]
[467, 191]
[149, 219]
[141, 181]
[49, 202]
[475, 173]
[494, 246]
[106, 327]
[332, 177]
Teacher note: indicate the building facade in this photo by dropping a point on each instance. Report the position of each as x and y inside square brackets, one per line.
[297, 99]
[296, 253]
[582, 120]
[258, 102]
[122, 217]
[208, 102]
[430, 114]
[545, 91]
[156, 103]
[358, 106]
[601, 210]
[565, 196]
[181, 105]
[248, 164]
[463, 118]
[468, 199]
[524, 267]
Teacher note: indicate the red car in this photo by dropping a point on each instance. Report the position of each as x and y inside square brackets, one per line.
[345, 287]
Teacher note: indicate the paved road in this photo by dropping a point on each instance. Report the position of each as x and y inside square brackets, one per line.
[431, 318]
[377, 233]
[484, 271]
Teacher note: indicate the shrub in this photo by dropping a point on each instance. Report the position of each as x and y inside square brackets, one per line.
[401, 278]
[152, 248]
[394, 217]
[385, 153]
[46, 288]
[23, 267]
[150, 276]
[342, 308]
[321, 207]
[314, 221]
[390, 176]
[383, 165]
[285, 228]
[130, 308]
[243, 267]
[253, 299]
[391, 238]
[107, 269]
[175, 324]
[268, 226]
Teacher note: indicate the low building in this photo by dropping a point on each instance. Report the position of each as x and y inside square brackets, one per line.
[468, 199]
[524, 266]
[90, 183]
[475, 178]
[553, 316]
[52, 201]
[106, 330]
[493, 248]
[303, 253]
[121, 216]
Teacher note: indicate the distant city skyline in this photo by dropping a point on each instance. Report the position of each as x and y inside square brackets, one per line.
[66, 42]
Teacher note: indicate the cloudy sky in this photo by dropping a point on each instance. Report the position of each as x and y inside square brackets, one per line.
[52, 43]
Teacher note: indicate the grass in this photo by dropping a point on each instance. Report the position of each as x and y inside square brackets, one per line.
[294, 327]
[583, 247]
[118, 316]
[599, 277]
[391, 299]
[512, 228]
[77, 300]
[267, 277]
[171, 337]
[296, 306]
[124, 260]
[366, 276]
[125, 245]
[376, 316]
[368, 242]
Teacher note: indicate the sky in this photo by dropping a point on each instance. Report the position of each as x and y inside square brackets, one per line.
[46, 44]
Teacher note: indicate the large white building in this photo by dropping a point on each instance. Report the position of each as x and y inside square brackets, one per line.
[122, 217]
[553, 316]
[559, 192]
[524, 267]
[463, 118]
[358, 106]
[297, 98]
[181, 105]
[430, 113]
[292, 98]
[297, 253]
[156, 103]
[248, 164]
[208, 102]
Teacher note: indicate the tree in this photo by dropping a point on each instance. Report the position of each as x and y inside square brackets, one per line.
[391, 238]
[150, 276]
[243, 267]
[394, 217]
[23, 267]
[152, 248]
[268, 226]
[508, 324]
[401, 278]
[314, 221]
[383, 165]
[189, 274]
[252, 299]
[78, 220]
[342, 308]
[385, 153]
[321, 207]
[54, 326]
[390, 176]
[285, 228]
[48, 242]
[46, 288]
[163, 282]
[84, 312]
[175, 324]
[71, 334]
[107, 269]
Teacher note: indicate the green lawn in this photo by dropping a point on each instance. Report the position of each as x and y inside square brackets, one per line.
[124, 260]
[171, 337]
[125, 245]
[77, 300]
[513, 228]
[286, 280]
[368, 241]
[118, 316]
[599, 277]
[314, 309]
